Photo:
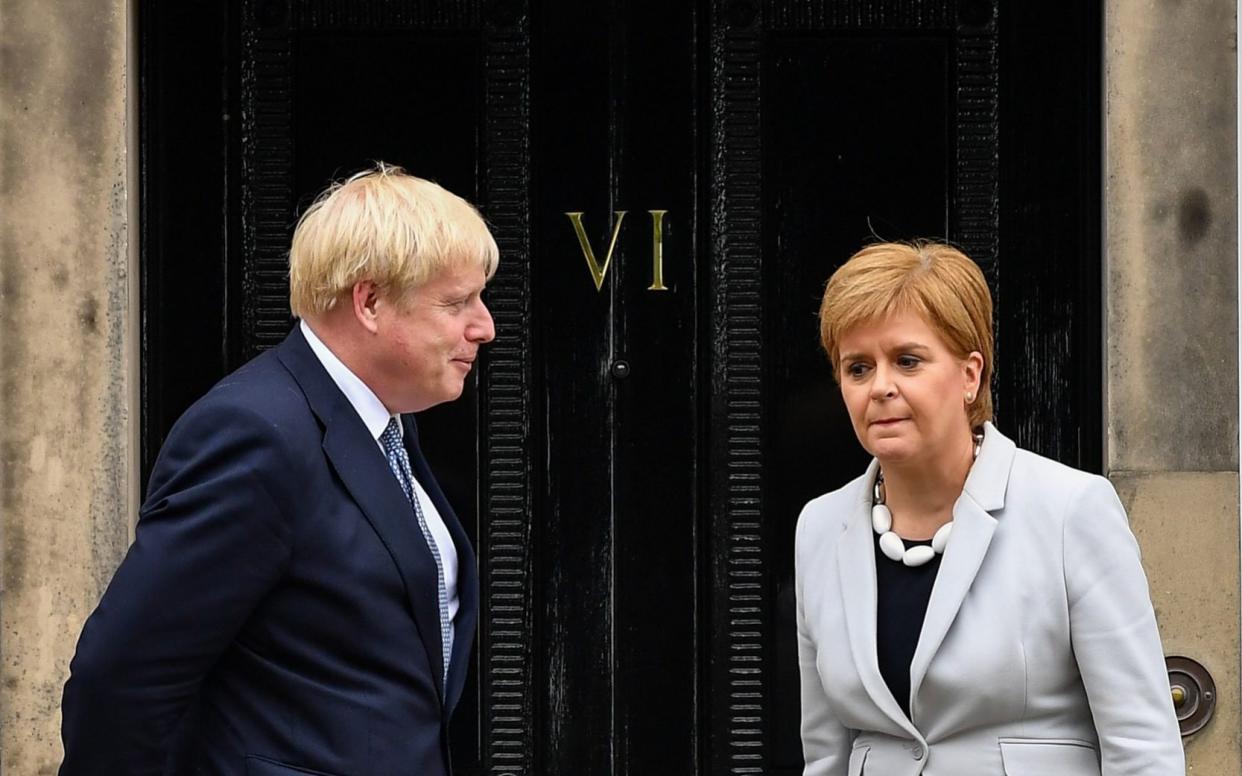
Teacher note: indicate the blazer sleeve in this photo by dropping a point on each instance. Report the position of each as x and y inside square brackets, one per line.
[1115, 640]
[826, 742]
[211, 539]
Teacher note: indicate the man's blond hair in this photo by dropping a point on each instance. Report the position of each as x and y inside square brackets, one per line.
[384, 225]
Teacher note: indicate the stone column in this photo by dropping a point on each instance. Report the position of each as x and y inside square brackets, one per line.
[1172, 327]
[68, 361]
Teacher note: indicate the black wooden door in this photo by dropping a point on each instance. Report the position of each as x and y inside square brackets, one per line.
[632, 455]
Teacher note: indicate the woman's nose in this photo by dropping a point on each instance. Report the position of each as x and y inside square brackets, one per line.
[882, 385]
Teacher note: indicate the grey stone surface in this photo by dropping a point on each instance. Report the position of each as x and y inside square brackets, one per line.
[1171, 235]
[66, 369]
[1171, 289]
[1187, 526]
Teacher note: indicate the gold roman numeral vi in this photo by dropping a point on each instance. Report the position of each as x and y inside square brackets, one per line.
[600, 271]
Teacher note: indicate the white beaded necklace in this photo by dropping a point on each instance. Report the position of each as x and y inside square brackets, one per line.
[890, 543]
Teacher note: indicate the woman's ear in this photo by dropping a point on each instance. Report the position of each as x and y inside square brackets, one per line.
[972, 371]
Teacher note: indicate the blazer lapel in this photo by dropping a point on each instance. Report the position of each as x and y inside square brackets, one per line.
[856, 566]
[357, 459]
[467, 570]
[972, 533]
[973, 527]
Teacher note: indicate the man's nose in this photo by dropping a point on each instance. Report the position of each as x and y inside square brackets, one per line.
[484, 328]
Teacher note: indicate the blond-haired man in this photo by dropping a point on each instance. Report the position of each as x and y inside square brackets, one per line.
[300, 597]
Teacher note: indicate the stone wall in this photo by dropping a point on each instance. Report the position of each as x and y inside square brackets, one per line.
[1172, 327]
[67, 365]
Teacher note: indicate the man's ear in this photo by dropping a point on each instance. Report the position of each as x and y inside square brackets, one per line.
[365, 299]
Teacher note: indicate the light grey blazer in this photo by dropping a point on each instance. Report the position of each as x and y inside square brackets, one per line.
[1039, 655]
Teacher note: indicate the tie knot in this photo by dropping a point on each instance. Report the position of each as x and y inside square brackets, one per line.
[391, 437]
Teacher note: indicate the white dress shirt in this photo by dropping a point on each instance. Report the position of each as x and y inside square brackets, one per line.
[376, 417]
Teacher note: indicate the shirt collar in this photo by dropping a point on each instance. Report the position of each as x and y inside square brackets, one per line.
[364, 401]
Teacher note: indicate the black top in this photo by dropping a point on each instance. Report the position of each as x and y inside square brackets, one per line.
[902, 593]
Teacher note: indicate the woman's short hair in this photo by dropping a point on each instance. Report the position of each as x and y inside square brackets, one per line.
[384, 225]
[932, 280]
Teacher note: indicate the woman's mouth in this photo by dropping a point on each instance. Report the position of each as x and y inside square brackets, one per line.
[888, 421]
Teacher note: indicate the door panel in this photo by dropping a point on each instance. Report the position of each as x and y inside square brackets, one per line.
[863, 122]
[838, 124]
[619, 370]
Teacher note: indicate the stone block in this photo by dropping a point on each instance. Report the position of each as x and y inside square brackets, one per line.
[1171, 235]
[1187, 525]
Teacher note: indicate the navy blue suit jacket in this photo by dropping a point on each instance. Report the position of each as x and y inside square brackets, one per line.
[277, 613]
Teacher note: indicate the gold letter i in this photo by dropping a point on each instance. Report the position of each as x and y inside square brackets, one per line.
[657, 251]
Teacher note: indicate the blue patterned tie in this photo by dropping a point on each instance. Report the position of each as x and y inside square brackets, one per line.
[399, 462]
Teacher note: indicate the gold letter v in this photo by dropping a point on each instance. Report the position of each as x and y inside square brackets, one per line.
[597, 272]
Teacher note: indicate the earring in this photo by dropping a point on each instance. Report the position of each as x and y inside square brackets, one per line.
[970, 397]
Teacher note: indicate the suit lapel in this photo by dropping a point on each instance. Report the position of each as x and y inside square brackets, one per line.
[856, 566]
[357, 459]
[467, 572]
[972, 533]
[973, 528]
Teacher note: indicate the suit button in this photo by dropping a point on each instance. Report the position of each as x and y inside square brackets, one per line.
[916, 752]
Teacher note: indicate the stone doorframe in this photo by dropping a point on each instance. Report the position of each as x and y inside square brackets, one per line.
[68, 345]
[1172, 306]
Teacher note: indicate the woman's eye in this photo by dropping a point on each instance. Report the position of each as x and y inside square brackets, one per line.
[907, 362]
[856, 370]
